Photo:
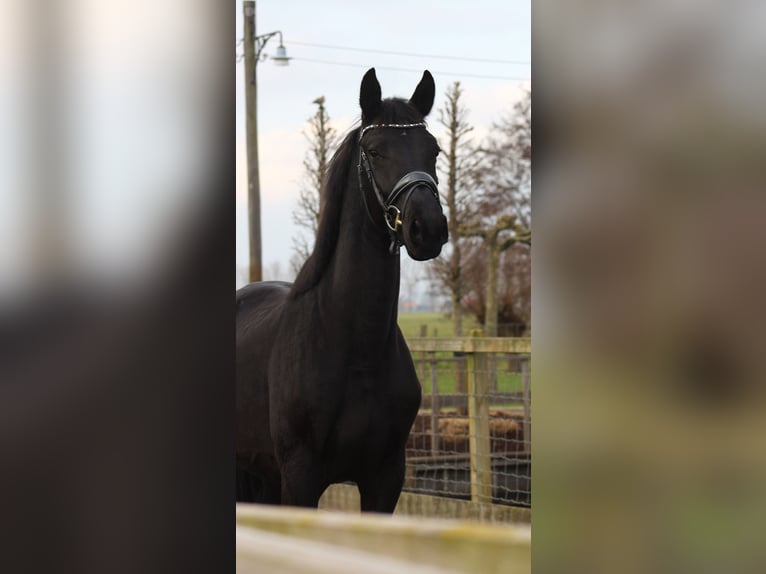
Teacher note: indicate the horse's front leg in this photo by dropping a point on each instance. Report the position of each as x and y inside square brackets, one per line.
[257, 488]
[380, 490]
[302, 480]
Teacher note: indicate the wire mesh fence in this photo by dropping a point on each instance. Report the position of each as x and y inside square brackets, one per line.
[471, 438]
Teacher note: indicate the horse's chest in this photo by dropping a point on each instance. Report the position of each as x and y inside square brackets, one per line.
[375, 412]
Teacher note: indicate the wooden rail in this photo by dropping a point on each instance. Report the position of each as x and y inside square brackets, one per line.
[477, 354]
[522, 345]
[287, 540]
[460, 400]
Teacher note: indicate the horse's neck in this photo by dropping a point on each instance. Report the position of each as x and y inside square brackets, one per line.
[362, 288]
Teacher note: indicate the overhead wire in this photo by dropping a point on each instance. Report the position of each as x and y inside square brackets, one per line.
[396, 53]
[395, 69]
[240, 56]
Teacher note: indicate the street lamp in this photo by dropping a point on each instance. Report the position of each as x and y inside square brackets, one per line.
[254, 46]
[280, 59]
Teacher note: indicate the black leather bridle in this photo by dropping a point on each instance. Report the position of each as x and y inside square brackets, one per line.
[392, 215]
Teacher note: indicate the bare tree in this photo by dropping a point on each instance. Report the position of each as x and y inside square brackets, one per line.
[513, 290]
[453, 165]
[501, 202]
[275, 272]
[323, 139]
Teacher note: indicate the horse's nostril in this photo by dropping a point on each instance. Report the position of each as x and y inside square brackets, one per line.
[415, 229]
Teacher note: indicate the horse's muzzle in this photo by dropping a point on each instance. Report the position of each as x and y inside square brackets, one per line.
[424, 227]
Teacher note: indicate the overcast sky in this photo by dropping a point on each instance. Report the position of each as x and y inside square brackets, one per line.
[479, 29]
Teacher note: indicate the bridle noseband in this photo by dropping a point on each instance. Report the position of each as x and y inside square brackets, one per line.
[392, 215]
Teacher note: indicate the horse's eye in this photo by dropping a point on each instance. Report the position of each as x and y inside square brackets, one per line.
[373, 153]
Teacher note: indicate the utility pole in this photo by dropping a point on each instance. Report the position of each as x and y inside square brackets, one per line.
[251, 123]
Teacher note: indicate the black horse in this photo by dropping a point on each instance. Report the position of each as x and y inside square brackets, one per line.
[326, 388]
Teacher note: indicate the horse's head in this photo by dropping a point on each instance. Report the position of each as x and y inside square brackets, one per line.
[397, 167]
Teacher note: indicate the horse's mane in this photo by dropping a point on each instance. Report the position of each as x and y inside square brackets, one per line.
[331, 200]
[393, 110]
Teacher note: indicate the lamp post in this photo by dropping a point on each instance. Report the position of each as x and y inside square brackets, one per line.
[254, 46]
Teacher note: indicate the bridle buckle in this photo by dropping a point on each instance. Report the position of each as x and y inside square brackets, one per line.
[393, 212]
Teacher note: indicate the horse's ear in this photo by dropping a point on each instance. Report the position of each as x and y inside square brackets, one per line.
[369, 96]
[423, 96]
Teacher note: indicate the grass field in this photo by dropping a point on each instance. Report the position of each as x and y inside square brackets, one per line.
[508, 375]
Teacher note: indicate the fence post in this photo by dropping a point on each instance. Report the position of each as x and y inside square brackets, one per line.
[435, 407]
[478, 426]
[461, 386]
[420, 363]
[525, 427]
